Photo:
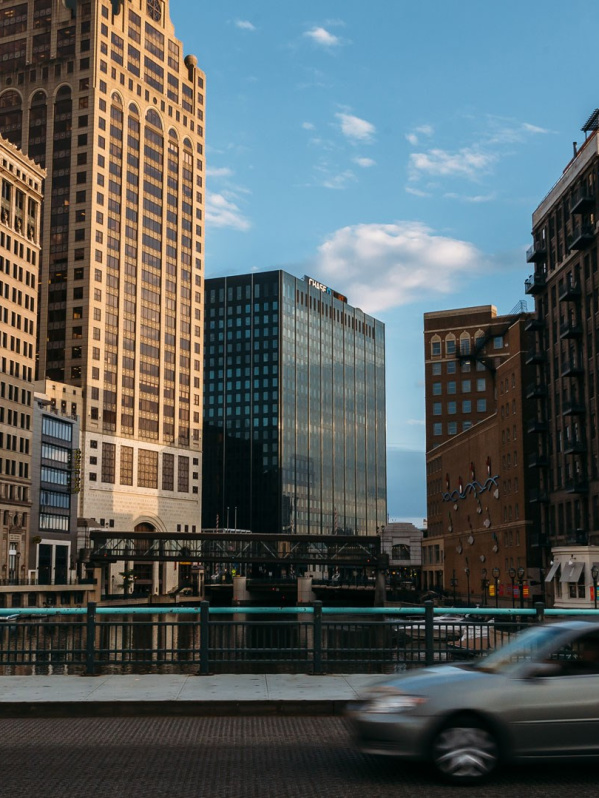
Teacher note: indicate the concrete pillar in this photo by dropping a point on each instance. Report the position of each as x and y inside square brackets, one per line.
[155, 578]
[380, 589]
[305, 594]
[241, 594]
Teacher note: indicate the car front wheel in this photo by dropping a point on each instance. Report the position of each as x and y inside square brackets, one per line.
[465, 752]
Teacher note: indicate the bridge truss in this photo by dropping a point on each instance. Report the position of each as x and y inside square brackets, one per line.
[231, 547]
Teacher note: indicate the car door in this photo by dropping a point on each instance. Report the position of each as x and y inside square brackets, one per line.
[557, 714]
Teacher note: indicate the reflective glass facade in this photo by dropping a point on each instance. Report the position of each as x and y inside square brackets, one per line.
[294, 409]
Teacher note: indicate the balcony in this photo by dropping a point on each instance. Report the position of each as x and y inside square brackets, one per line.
[573, 408]
[582, 236]
[572, 368]
[536, 283]
[534, 325]
[570, 292]
[582, 201]
[538, 460]
[538, 496]
[577, 537]
[570, 329]
[536, 390]
[535, 356]
[575, 447]
[536, 253]
[537, 426]
[578, 485]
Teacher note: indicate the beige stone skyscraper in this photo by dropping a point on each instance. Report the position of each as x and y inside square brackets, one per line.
[20, 205]
[101, 95]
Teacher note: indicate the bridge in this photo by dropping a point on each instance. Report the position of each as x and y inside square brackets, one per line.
[229, 547]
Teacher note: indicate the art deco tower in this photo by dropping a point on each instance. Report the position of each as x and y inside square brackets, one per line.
[100, 95]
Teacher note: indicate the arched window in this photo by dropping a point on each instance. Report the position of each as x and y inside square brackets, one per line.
[11, 116]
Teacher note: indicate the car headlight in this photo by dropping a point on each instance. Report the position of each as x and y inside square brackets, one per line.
[392, 701]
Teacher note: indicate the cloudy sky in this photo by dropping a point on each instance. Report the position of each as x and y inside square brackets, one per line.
[392, 150]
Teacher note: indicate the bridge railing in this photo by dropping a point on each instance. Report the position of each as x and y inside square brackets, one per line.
[204, 639]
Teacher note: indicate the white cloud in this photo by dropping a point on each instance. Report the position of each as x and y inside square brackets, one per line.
[339, 181]
[322, 37]
[477, 198]
[355, 128]
[468, 162]
[382, 266]
[417, 192]
[365, 163]
[422, 130]
[222, 171]
[308, 126]
[415, 422]
[534, 129]
[223, 212]
[244, 24]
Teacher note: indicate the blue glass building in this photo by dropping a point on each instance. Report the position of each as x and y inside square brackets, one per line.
[294, 409]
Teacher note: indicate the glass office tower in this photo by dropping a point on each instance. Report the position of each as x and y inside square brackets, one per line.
[294, 409]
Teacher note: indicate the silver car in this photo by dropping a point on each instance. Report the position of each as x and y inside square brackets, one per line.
[536, 697]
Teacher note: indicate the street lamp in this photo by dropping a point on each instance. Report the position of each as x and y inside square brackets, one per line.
[595, 574]
[454, 584]
[512, 575]
[496, 573]
[521, 575]
[484, 582]
[467, 572]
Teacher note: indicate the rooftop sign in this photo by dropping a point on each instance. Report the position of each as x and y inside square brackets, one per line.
[312, 283]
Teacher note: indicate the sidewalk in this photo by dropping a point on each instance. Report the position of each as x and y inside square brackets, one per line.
[130, 695]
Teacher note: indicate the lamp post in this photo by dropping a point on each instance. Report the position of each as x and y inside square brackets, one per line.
[512, 575]
[483, 583]
[496, 573]
[467, 572]
[594, 575]
[521, 575]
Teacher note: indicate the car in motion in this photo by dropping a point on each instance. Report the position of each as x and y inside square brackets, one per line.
[536, 697]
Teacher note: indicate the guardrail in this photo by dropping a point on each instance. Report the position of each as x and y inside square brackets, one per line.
[204, 639]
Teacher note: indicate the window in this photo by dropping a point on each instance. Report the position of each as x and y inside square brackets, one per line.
[451, 367]
[466, 406]
[108, 462]
[450, 346]
[481, 384]
[437, 369]
[438, 428]
[466, 386]
[168, 472]
[498, 342]
[147, 469]
[436, 347]
[451, 387]
[452, 428]
[437, 409]
[437, 388]
[481, 405]
[126, 465]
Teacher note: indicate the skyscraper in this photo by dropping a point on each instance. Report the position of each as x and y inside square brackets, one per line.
[294, 408]
[20, 211]
[100, 95]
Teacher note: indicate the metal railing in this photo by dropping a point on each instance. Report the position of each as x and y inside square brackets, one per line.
[204, 639]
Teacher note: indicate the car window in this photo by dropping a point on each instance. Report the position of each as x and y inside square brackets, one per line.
[523, 648]
[579, 657]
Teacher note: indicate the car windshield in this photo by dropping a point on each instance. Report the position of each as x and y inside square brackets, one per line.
[524, 648]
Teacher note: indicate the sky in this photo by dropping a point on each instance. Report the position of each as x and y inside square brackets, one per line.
[394, 151]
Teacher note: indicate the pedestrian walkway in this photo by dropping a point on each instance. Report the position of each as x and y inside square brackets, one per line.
[176, 694]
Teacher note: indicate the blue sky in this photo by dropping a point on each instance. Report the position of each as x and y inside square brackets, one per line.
[393, 150]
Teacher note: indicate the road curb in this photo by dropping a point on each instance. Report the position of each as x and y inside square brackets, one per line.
[125, 709]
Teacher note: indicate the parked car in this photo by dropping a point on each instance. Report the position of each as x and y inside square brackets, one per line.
[536, 697]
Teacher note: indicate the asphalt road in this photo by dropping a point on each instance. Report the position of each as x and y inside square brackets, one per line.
[231, 758]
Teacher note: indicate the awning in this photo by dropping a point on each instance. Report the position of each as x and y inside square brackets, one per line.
[571, 573]
[552, 572]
